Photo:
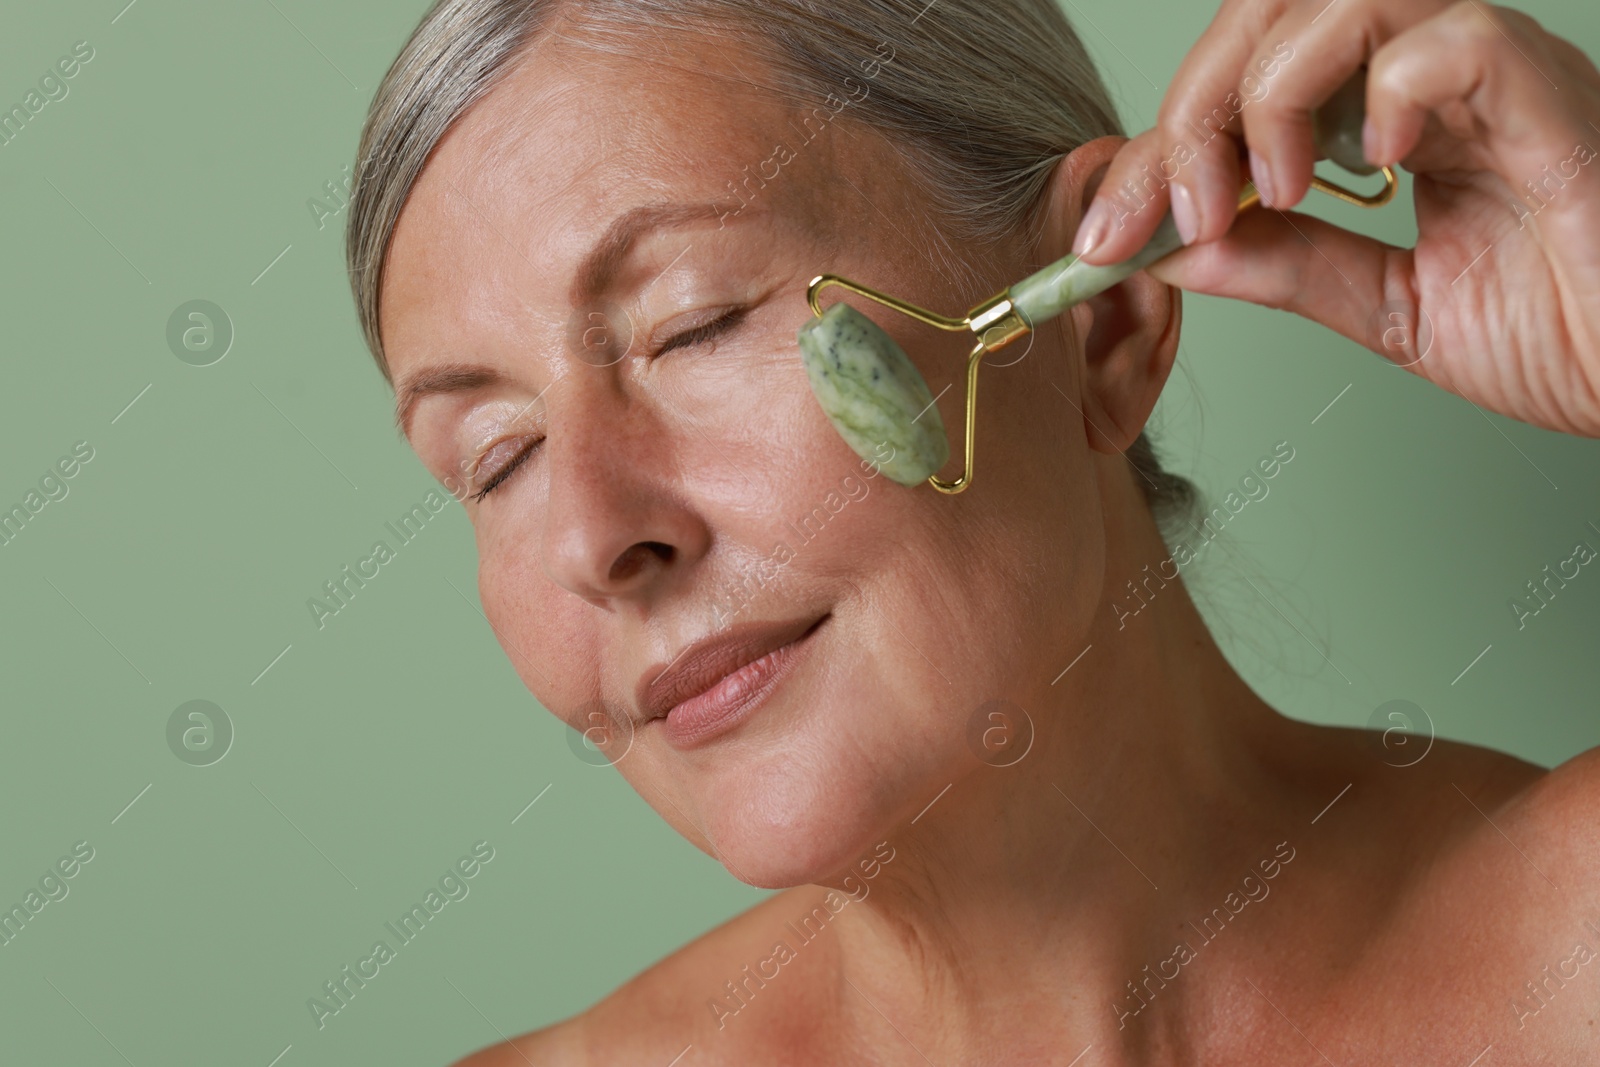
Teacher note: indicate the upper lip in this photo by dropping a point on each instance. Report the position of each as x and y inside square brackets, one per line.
[664, 686]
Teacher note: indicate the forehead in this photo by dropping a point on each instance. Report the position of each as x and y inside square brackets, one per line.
[520, 188]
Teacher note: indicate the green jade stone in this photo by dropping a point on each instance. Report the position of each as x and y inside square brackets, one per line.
[873, 394]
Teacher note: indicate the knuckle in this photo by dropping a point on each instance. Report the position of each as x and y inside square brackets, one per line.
[1270, 110]
[1520, 21]
[1170, 119]
[1388, 75]
[1204, 122]
[1479, 27]
[1176, 114]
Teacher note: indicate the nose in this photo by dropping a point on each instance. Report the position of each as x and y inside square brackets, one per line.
[617, 526]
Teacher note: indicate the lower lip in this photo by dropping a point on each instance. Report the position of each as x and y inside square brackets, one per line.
[735, 698]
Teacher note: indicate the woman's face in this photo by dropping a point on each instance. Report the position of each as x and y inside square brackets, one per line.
[655, 472]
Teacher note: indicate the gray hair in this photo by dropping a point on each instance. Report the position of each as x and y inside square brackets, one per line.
[985, 97]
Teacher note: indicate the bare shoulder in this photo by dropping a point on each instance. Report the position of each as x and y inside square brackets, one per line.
[1458, 803]
[558, 1044]
[1575, 781]
[1503, 924]
[1524, 828]
[1561, 811]
[703, 996]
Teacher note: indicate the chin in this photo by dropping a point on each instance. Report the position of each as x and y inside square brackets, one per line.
[807, 808]
[793, 834]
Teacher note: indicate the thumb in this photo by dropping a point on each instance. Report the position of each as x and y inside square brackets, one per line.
[1294, 262]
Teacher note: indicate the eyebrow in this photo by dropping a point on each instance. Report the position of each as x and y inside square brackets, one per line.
[450, 378]
[599, 268]
[596, 273]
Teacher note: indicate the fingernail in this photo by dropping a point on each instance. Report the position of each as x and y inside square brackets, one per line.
[1184, 215]
[1261, 177]
[1092, 230]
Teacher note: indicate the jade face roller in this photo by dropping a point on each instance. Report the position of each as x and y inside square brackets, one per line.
[875, 396]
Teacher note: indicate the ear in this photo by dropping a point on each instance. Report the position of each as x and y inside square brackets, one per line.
[1129, 333]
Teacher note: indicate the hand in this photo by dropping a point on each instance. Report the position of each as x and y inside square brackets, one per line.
[1499, 122]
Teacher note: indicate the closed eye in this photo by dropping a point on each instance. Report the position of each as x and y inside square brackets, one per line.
[506, 471]
[698, 335]
[703, 333]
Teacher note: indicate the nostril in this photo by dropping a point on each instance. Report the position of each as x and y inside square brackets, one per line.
[632, 561]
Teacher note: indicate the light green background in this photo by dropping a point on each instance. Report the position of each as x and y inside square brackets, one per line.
[375, 752]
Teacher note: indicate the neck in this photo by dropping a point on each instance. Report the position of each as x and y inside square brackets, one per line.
[1067, 881]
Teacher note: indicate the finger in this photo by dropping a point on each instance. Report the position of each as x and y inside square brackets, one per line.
[1199, 120]
[1300, 264]
[1128, 206]
[1202, 164]
[1493, 80]
[1319, 44]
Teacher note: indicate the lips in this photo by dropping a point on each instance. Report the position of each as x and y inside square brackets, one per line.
[713, 680]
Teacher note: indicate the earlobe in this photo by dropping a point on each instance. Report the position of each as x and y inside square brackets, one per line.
[1129, 333]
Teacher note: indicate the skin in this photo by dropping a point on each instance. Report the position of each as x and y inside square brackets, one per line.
[996, 913]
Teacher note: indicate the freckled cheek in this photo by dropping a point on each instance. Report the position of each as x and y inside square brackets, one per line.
[757, 434]
[528, 615]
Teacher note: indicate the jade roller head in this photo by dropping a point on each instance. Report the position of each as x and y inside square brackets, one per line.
[879, 402]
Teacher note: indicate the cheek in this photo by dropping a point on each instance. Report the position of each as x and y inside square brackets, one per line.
[752, 398]
[537, 625]
[936, 613]
[1016, 562]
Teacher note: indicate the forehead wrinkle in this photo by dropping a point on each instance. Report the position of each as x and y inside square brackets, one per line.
[502, 124]
[575, 60]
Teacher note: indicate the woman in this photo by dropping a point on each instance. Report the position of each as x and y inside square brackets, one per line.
[1013, 825]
